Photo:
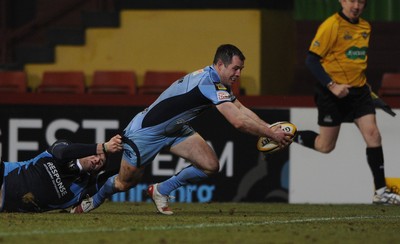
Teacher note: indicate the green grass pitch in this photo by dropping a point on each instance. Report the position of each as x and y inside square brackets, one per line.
[208, 223]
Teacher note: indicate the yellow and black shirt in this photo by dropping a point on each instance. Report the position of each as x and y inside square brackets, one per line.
[343, 46]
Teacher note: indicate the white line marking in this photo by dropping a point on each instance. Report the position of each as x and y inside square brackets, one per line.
[197, 226]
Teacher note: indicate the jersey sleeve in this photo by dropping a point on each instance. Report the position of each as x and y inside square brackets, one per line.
[212, 88]
[217, 93]
[325, 37]
[65, 150]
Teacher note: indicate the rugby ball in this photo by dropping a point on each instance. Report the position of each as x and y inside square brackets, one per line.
[267, 145]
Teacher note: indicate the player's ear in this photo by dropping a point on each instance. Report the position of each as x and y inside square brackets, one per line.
[219, 64]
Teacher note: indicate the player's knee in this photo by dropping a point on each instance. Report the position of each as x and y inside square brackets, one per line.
[211, 168]
[326, 148]
[215, 170]
[373, 138]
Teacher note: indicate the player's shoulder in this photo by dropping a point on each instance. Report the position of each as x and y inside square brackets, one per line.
[364, 23]
[332, 22]
[61, 143]
[58, 145]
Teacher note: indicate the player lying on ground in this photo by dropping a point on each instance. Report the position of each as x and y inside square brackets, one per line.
[57, 178]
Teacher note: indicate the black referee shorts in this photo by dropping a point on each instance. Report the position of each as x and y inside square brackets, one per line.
[332, 111]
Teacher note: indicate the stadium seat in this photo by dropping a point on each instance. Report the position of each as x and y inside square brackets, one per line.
[113, 82]
[155, 82]
[390, 85]
[62, 82]
[13, 81]
[236, 88]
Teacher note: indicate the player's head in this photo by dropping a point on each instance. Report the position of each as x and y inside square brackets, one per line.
[228, 62]
[365, 4]
[225, 54]
[352, 9]
[94, 163]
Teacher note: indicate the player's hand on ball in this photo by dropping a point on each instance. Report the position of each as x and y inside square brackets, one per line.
[280, 136]
[283, 134]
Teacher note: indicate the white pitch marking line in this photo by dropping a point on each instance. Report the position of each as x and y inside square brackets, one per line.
[197, 226]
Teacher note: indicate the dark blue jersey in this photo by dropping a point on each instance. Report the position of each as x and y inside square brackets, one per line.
[52, 180]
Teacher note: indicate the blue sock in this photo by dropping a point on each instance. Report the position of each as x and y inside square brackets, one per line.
[105, 191]
[187, 175]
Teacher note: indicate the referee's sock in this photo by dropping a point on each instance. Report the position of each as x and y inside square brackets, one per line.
[106, 191]
[188, 175]
[376, 163]
[306, 138]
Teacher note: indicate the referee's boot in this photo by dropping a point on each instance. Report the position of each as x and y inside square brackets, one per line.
[385, 196]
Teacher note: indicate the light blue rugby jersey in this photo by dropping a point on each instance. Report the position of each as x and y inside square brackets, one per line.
[183, 101]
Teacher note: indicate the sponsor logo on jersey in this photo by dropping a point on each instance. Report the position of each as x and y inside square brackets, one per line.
[356, 53]
[56, 179]
[316, 44]
[220, 87]
[198, 72]
[347, 36]
[223, 96]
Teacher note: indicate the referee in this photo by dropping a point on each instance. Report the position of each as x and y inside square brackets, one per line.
[338, 59]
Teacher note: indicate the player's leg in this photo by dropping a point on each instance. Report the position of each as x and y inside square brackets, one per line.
[135, 156]
[196, 150]
[370, 132]
[204, 163]
[202, 157]
[323, 142]
[330, 117]
[127, 177]
[137, 153]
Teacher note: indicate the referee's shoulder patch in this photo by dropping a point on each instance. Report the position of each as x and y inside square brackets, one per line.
[316, 44]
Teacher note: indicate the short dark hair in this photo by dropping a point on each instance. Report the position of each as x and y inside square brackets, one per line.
[225, 53]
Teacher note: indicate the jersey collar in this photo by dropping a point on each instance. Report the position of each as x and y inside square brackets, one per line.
[347, 19]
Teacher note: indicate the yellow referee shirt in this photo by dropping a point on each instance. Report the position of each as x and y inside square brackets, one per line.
[343, 47]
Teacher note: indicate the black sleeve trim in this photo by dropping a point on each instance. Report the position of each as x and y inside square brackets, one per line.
[314, 65]
[65, 150]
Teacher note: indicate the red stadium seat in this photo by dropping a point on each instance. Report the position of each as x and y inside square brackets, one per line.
[236, 88]
[155, 82]
[62, 82]
[390, 85]
[113, 82]
[13, 81]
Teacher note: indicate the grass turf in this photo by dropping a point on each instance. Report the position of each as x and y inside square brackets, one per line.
[208, 223]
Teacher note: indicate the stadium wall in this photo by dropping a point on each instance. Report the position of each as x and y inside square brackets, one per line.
[162, 40]
[296, 175]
